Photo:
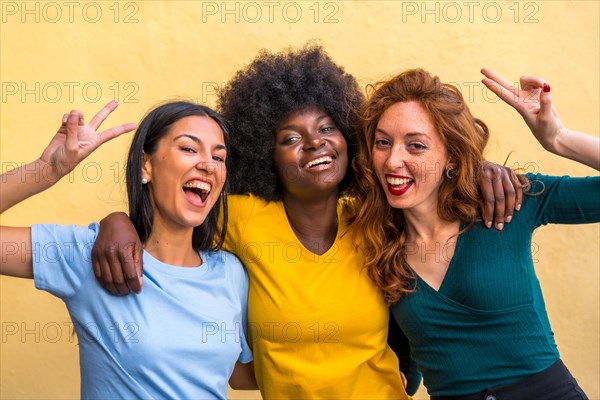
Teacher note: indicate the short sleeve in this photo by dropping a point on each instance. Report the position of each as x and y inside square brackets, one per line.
[62, 257]
[562, 200]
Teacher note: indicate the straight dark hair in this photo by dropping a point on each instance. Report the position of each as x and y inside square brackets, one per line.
[155, 126]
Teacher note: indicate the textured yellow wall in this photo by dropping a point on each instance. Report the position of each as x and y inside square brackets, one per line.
[59, 55]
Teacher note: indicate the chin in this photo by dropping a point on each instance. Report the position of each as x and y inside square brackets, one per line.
[193, 221]
[398, 204]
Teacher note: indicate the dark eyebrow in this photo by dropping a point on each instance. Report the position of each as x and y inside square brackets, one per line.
[195, 139]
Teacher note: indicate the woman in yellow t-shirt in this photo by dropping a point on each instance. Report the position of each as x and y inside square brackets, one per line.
[317, 324]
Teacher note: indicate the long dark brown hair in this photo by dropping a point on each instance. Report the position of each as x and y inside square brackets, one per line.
[153, 127]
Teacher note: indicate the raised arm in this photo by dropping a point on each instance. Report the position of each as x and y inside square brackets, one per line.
[73, 142]
[534, 102]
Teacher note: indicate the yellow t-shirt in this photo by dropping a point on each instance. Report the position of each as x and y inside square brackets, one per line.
[317, 324]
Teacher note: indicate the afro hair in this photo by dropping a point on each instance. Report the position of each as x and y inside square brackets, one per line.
[269, 90]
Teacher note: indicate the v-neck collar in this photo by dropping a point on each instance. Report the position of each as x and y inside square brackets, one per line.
[291, 232]
[451, 267]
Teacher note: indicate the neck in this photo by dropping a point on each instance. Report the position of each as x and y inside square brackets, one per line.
[314, 220]
[425, 225]
[172, 246]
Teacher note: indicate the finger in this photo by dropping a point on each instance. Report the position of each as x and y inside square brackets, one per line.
[499, 198]
[508, 96]
[102, 114]
[96, 265]
[130, 258]
[488, 197]
[500, 81]
[63, 125]
[106, 277]
[73, 122]
[510, 196]
[547, 111]
[529, 82]
[518, 190]
[116, 131]
[116, 270]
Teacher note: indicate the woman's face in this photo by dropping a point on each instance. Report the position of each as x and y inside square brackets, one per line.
[409, 157]
[310, 153]
[187, 172]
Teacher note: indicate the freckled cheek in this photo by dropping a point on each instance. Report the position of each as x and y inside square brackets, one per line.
[378, 163]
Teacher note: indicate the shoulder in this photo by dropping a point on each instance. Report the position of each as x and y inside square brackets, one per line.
[243, 205]
[223, 257]
[64, 235]
[224, 260]
[539, 181]
[230, 267]
[246, 205]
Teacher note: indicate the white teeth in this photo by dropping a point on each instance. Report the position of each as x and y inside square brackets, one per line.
[320, 160]
[398, 181]
[200, 185]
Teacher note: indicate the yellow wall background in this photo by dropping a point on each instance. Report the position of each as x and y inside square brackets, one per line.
[56, 56]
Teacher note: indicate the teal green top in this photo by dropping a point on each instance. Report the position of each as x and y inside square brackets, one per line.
[487, 325]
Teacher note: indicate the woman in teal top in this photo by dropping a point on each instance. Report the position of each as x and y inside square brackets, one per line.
[467, 297]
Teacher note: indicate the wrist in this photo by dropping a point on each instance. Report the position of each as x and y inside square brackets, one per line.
[115, 218]
[46, 171]
[560, 144]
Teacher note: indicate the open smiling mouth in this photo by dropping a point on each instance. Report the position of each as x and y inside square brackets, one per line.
[197, 189]
[398, 186]
[319, 162]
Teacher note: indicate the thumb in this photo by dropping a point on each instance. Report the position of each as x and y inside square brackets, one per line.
[546, 103]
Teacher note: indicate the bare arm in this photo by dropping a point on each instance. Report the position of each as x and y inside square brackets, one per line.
[73, 142]
[243, 377]
[534, 102]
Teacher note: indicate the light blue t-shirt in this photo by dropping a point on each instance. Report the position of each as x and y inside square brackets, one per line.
[179, 338]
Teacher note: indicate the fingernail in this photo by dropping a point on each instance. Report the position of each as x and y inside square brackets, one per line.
[518, 207]
[488, 224]
[546, 87]
[65, 118]
[499, 226]
[508, 219]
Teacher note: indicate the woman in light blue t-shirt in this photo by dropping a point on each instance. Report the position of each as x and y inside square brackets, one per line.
[183, 337]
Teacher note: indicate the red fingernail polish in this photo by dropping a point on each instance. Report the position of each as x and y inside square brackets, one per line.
[546, 87]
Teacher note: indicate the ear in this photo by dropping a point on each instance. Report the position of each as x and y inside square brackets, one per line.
[146, 167]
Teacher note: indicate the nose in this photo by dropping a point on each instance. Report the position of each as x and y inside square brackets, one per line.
[314, 142]
[207, 165]
[396, 159]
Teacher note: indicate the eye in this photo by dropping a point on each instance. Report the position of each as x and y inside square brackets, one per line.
[382, 143]
[417, 146]
[188, 149]
[218, 158]
[290, 140]
[328, 129]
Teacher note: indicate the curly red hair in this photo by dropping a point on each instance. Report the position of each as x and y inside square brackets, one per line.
[382, 227]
